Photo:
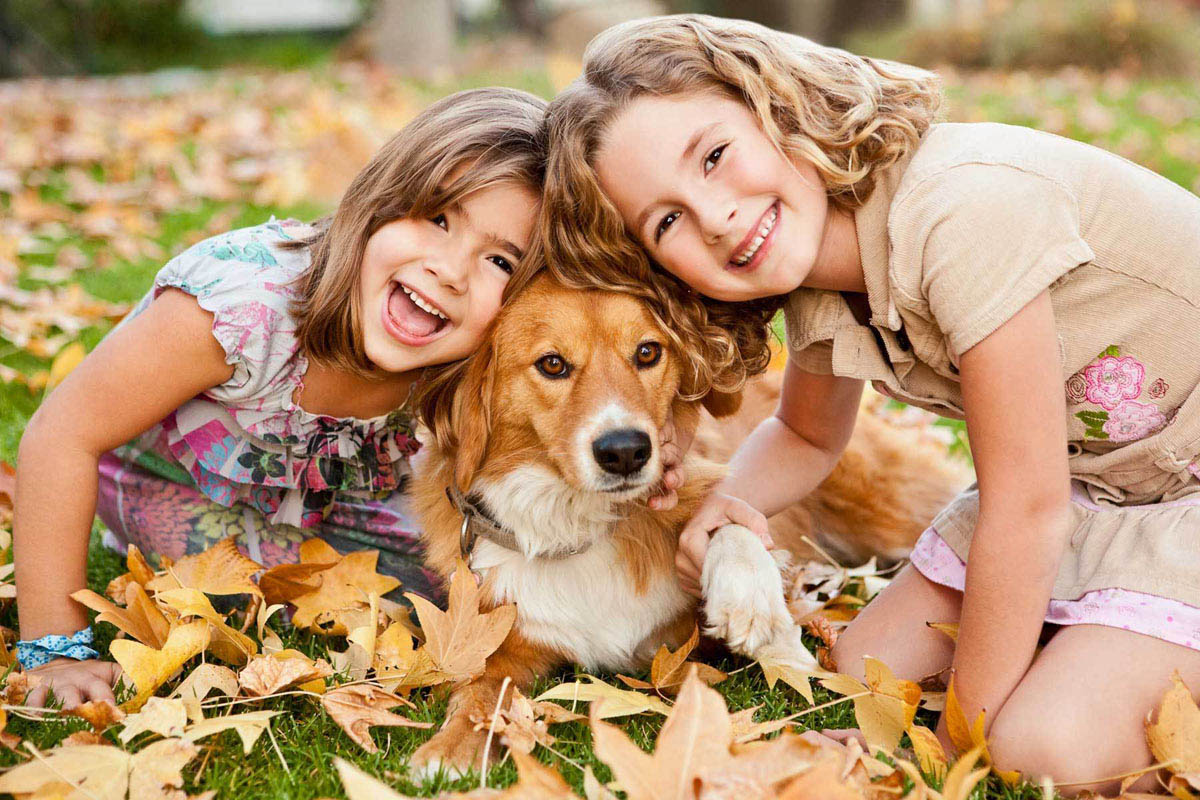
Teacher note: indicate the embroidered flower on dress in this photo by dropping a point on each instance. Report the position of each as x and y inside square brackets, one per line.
[1077, 388]
[1111, 380]
[1132, 420]
[261, 463]
[1158, 389]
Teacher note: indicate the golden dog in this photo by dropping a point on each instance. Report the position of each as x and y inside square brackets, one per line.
[554, 449]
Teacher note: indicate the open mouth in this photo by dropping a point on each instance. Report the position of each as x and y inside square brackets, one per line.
[753, 249]
[410, 317]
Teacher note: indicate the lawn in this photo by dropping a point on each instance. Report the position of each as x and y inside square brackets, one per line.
[102, 180]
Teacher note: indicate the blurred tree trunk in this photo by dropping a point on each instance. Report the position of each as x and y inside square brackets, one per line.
[526, 17]
[824, 21]
[415, 36]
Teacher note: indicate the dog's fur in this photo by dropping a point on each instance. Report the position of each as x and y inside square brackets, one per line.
[524, 446]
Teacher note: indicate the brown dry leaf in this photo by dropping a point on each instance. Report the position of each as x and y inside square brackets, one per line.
[16, 686]
[535, 781]
[525, 724]
[668, 669]
[884, 706]
[270, 674]
[460, 639]
[758, 769]
[695, 738]
[226, 643]
[84, 737]
[358, 708]
[141, 619]
[343, 589]
[361, 786]
[745, 729]
[285, 582]
[219, 570]
[1174, 736]
[150, 668]
[966, 737]
[399, 667]
[822, 782]
[616, 702]
[948, 628]
[792, 674]
[101, 772]
[139, 568]
[249, 727]
[98, 713]
[164, 717]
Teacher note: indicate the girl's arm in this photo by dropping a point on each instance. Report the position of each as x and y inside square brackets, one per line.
[784, 459]
[1015, 407]
[135, 377]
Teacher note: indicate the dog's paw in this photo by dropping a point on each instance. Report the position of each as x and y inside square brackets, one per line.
[744, 604]
[452, 753]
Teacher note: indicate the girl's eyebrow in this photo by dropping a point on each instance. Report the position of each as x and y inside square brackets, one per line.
[692, 144]
[491, 239]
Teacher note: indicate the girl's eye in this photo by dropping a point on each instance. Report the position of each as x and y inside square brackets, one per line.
[502, 263]
[666, 222]
[648, 354]
[553, 366]
[713, 158]
[440, 221]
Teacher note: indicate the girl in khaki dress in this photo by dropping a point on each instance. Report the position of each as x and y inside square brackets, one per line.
[1046, 291]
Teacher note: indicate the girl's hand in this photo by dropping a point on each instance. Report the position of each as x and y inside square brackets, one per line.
[74, 682]
[719, 509]
[673, 450]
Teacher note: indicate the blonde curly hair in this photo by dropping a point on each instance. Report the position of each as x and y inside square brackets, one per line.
[847, 114]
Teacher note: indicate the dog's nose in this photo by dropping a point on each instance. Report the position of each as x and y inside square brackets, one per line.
[622, 452]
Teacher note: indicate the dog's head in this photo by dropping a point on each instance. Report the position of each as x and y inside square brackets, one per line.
[573, 383]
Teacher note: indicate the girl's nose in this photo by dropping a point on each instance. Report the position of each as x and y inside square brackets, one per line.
[449, 270]
[716, 220]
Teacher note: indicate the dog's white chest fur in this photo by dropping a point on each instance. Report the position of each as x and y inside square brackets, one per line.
[585, 606]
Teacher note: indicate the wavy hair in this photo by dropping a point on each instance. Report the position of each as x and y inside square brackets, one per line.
[847, 114]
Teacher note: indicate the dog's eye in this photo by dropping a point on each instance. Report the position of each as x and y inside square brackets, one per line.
[553, 366]
[648, 354]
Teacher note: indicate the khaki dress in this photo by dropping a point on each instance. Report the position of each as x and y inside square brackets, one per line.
[957, 238]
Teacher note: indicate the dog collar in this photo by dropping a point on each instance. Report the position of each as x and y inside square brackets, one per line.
[478, 523]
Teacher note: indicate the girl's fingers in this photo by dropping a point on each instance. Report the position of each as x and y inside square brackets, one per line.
[110, 673]
[96, 689]
[37, 698]
[665, 501]
[69, 696]
[748, 516]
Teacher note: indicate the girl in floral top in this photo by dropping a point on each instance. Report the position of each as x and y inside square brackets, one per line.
[1044, 290]
[262, 387]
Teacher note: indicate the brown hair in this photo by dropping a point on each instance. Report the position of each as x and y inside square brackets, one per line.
[496, 133]
[846, 114]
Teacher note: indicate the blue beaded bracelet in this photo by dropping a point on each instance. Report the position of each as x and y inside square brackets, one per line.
[46, 649]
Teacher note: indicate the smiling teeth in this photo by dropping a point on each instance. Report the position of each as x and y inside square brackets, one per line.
[767, 224]
[421, 304]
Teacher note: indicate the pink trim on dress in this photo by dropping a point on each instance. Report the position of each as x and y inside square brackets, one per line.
[1147, 614]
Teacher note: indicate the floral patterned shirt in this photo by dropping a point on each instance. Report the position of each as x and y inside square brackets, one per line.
[246, 440]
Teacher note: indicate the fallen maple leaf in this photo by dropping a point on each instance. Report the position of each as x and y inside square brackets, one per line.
[758, 769]
[669, 669]
[226, 643]
[249, 726]
[359, 707]
[345, 587]
[101, 772]
[525, 723]
[696, 736]
[98, 713]
[401, 667]
[971, 738]
[150, 668]
[164, 717]
[267, 675]
[207, 678]
[1174, 736]
[884, 706]
[460, 639]
[929, 751]
[283, 583]
[140, 619]
[616, 702]
[219, 570]
[962, 776]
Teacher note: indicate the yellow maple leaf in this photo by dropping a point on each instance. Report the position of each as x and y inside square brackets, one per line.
[359, 707]
[226, 643]
[219, 570]
[285, 669]
[343, 589]
[399, 666]
[140, 618]
[971, 737]
[150, 668]
[101, 772]
[668, 669]
[460, 639]
[249, 726]
[884, 706]
[1174, 733]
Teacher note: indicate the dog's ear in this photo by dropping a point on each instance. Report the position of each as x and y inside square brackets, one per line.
[722, 404]
[472, 416]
